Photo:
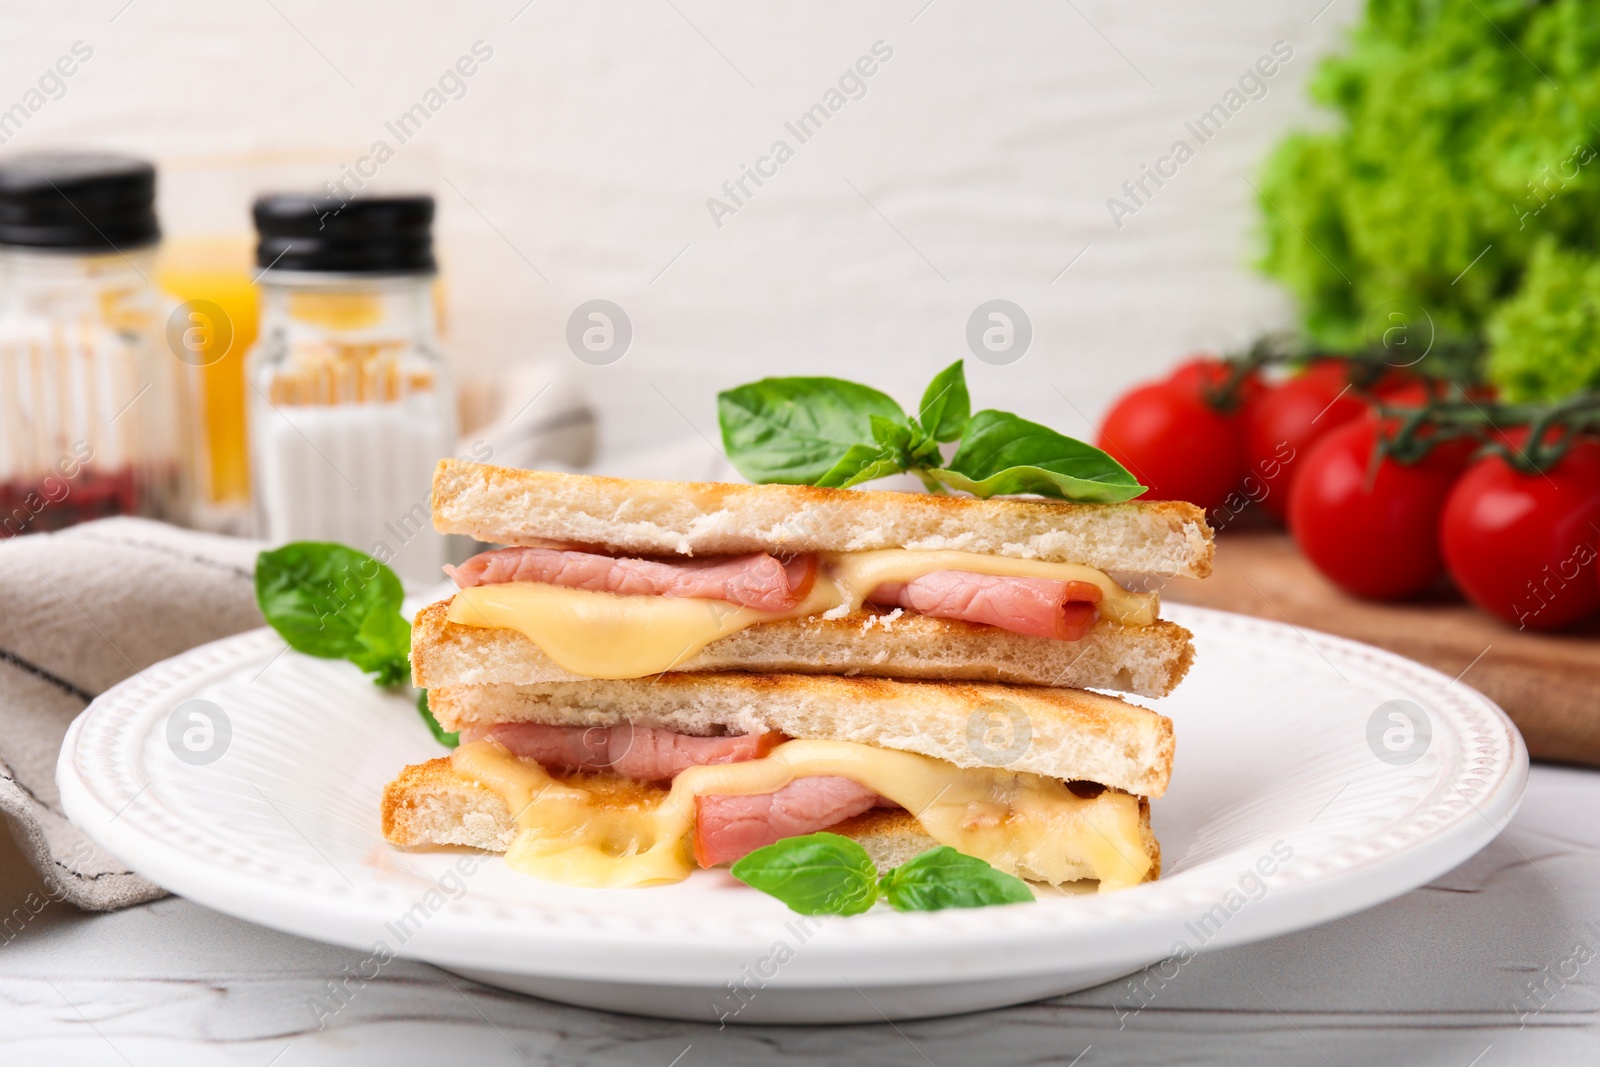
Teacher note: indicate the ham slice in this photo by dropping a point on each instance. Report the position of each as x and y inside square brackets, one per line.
[756, 580]
[728, 828]
[1038, 607]
[642, 753]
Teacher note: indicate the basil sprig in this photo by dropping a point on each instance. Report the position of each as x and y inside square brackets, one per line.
[826, 874]
[332, 601]
[838, 434]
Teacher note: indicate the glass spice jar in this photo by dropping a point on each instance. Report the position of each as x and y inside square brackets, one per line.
[89, 402]
[351, 399]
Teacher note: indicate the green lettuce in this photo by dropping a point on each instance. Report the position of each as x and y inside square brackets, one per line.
[1461, 146]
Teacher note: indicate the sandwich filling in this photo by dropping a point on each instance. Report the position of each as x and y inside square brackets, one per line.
[604, 617]
[627, 806]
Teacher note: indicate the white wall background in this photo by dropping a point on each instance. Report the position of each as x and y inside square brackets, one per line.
[578, 163]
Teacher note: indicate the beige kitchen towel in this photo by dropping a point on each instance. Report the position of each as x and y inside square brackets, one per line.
[81, 610]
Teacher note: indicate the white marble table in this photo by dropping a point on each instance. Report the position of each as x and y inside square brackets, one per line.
[1497, 962]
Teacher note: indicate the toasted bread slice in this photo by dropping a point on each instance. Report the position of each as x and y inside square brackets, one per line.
[1061, 733]
[432, 804]
[521, 507]
[1147, 660]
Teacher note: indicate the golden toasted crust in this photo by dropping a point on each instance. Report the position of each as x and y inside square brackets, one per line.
[1147, 660]
[399, 805]
[432, 804]
[521, 507]
[1069, 734]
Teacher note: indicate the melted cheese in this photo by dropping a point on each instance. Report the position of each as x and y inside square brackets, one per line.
[604, 635]
[1024, 824]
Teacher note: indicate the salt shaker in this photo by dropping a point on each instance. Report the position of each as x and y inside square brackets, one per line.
[351, 399]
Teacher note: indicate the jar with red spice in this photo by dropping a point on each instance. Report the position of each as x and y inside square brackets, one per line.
[89, 401]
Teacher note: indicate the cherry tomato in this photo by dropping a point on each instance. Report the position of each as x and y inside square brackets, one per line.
[1415, 393]
[1333, 373]
[1174, 443]
[1523, 546]
[1283, 425]
[1398, 383]
[1372, 532]
[1410, 395]
[1338, 373]
[1201, 375]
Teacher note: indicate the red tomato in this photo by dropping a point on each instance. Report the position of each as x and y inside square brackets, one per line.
[1393, 385]
[1523, 546]
[1410, 395]
[1202, 374]
[1174, 443]
[1337, 373]
[1415, 393]
[1373, 533]
[1391, 381]
[1283, 425]
[1330, 372]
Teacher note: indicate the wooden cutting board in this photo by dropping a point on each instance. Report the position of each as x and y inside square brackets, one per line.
[1548, 683]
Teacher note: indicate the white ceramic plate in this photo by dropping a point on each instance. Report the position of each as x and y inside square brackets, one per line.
[1288, 762]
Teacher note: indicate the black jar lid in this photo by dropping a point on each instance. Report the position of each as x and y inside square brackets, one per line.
[364, 235]
[79, 201]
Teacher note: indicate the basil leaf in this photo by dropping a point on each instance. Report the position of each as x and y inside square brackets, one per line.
[1001, 453]
[795, 430]
[328, 600]
[818, 874]
[385, 639]
[946, 406]
[449, 740]
[944, 878]
[896, 434]
[862, 463]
